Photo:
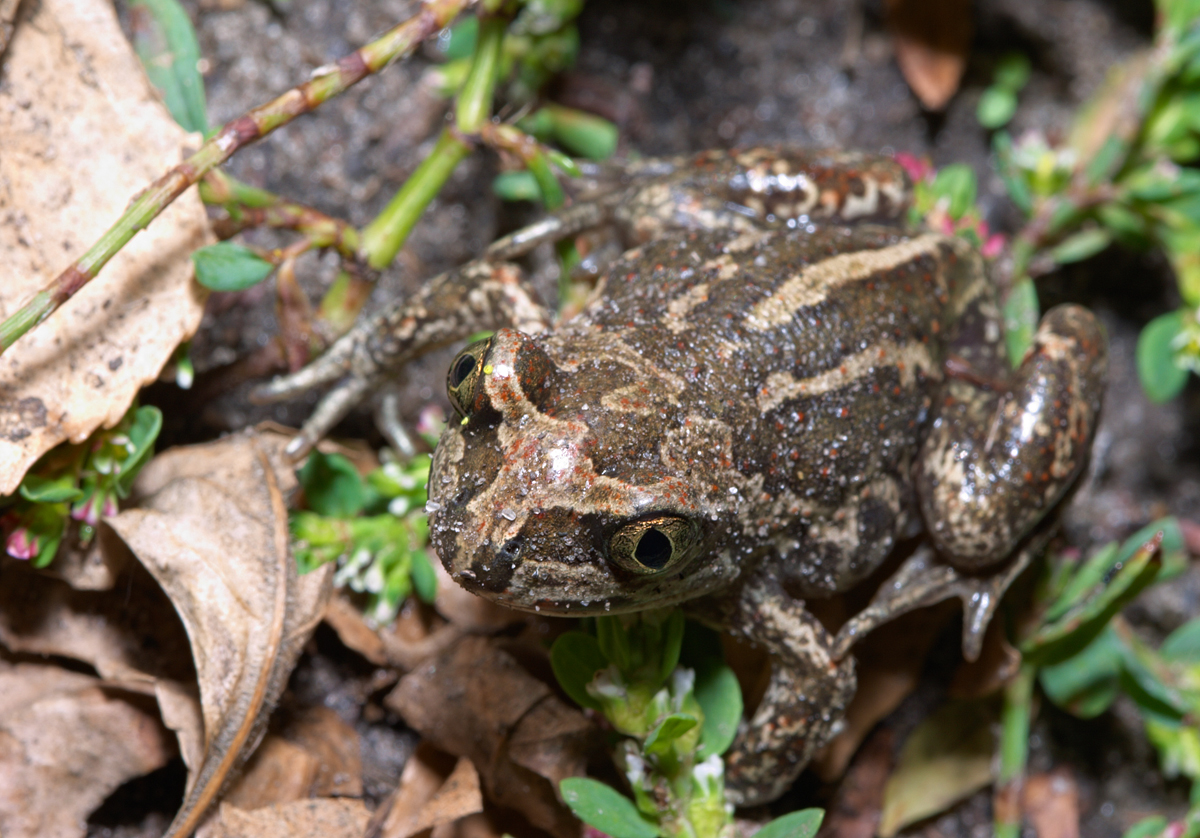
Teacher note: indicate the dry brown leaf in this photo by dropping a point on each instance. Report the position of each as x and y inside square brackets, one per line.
[423, 774]
[856, 807]
[68, 740]
[456, 797]
[889, 668]
[212, 528]
[308, 753]
[931, 38]
[338, 818]
[133, 636]
[81, 130]
[353, 630]
[278, 772]
[474, 700]
[1051, 803]
[997, 663]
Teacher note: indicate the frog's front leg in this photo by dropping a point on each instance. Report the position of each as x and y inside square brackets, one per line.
[805, 700]
[995, 463]
[476, 297]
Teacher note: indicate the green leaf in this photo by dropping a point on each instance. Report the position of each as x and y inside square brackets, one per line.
[1020, 320]
[1126, 225]
[583, 133]
[1150, 827]
[1162, 378]
[1183, 644]
[1013, 71]
[575, 658]
[424, 579]
[226, 266]
[332, 486]
[996, 107]
[1065, 636]
[667, 731]
[461, 42]
[614, 642]
[802, 824]
[672, 643]
[147, 423]
[606, 809]
[1087, 683]
[1082, 245]
[45, 490]
[547, 182]
[516, 186]
[956, 183]
[720, 697]
[166, 44]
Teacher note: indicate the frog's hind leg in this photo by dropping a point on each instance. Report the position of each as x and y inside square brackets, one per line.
[452, 306]
[995, 463]
[805, 700]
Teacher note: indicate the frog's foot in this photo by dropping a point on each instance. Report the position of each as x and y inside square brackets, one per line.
[804, 703]
[925, 580]
[476, 297]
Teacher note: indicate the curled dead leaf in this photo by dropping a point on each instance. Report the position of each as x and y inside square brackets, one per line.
[328, 818]
[212, 529]
[1051, 803]
[71, 77]
[932, 39]
[67, 740]
[475, 701]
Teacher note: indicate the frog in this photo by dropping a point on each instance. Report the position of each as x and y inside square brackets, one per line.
[779, 385]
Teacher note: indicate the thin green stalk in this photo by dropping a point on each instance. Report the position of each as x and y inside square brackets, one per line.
[372, 58]
[1014, 752]
[475, 98]
[386, 234]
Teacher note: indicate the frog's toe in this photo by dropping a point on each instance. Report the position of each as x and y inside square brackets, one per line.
[924, 580]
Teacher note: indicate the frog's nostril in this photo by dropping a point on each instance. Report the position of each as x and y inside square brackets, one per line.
[511, 549]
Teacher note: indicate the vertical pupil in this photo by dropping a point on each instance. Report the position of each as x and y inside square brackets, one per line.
[462, 369]
[653, 549]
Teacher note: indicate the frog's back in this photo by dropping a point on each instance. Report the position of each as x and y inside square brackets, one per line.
[814, 351]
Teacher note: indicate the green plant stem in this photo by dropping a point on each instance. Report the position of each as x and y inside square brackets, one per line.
[1014, 752]
[386, 234]
[254, 124]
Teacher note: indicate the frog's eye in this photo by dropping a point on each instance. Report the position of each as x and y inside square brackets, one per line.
[464, 375]
[654, 544]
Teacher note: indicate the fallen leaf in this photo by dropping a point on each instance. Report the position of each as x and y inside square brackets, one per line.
[475, 701]
[946, 758]
[278, 772]
[889, 669]
[931, 39]
[309, 752]
[67, 741]
[133, 636]
[353, 631]
[423, 774]
[1051, 803]
[855, 810]
[212, 528]
[456, 797]
[336, 818]
[81, 130]
[997, 663]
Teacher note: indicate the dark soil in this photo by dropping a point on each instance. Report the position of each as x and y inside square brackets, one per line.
[681, 76]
